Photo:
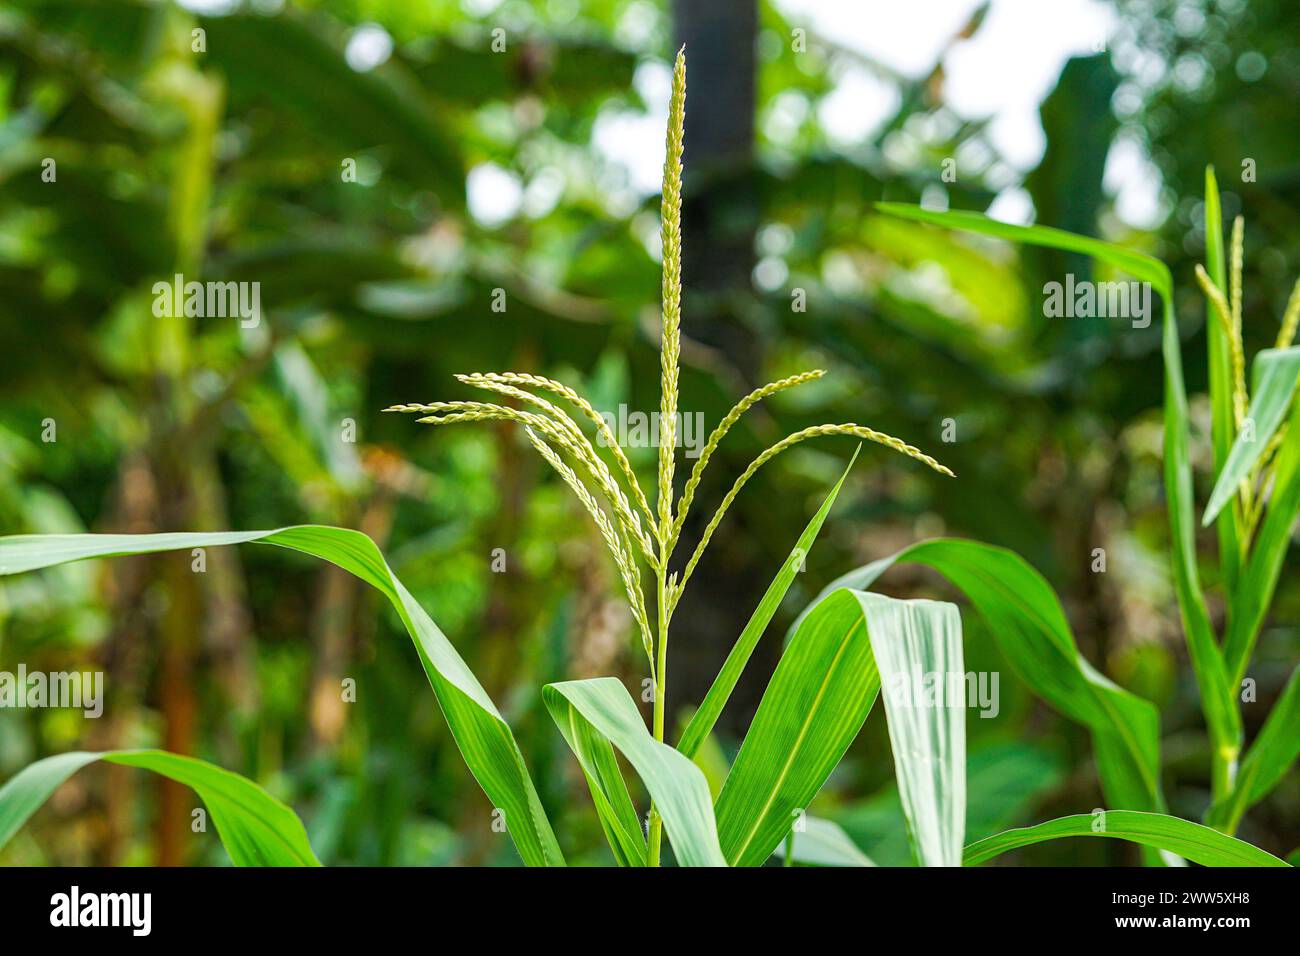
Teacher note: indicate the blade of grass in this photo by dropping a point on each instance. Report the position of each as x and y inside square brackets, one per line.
[1197, 843]
[255, 828]
[725, 682]
[480, 732]
[677, 787]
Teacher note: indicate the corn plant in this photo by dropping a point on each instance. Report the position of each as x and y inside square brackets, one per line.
[841, 651]
[1254, 502]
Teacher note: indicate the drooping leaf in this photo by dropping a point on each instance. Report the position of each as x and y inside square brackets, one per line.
[1030, 628]
[1197, 843]
[255, 828]
[614, 808]
[725, 682]
[1140, 265]
[482, 734]
[1217, 700]
[918, 650]
[602, 706]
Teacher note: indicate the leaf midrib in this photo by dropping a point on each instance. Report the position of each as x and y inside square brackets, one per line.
[803, 732]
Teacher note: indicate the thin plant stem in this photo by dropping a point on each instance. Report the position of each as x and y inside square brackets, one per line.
[669, 351]
[660, 689]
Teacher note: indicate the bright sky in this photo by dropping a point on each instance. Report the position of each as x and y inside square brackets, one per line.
[1003, 72]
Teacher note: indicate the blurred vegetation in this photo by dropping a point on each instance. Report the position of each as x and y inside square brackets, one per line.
[231, 164]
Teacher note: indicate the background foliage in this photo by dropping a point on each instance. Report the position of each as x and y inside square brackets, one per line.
[226, 164]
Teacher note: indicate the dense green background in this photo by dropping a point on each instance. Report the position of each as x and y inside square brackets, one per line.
[226, 164]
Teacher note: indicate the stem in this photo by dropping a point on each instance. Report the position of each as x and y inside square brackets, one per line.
[661, 684]
[1236, 810]
[1223, 768]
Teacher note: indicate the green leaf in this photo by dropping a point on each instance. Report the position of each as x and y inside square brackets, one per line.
[1222, 423]
[614, 808]
[819, 696]
[480, 731]
[1197, 843]
[1211, 673]
[720, 691]
[1259, 579]
[1274, 374]
[1138, 264]
[255, 828]
[822, 843]
[1004, 781]
[918, 650]
[1029, 626]
[814, 705]
[584, 708]
[1269, 758]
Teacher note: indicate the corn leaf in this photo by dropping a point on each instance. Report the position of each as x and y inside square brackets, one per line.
[1274, 381]
[918, 650]
[814, 705]
[1027, 622]
[602, 706]
[1217, 700]
[819, 696]
[1276, 747]
[614, 808]
[1138, 264]
[1222, 423]
[1197, 843]
[255, 828]
[480, 731]
[819, 842]
[1259, 578]
[725, 682]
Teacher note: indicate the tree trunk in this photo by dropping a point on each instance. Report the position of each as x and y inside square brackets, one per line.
[719, 218]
